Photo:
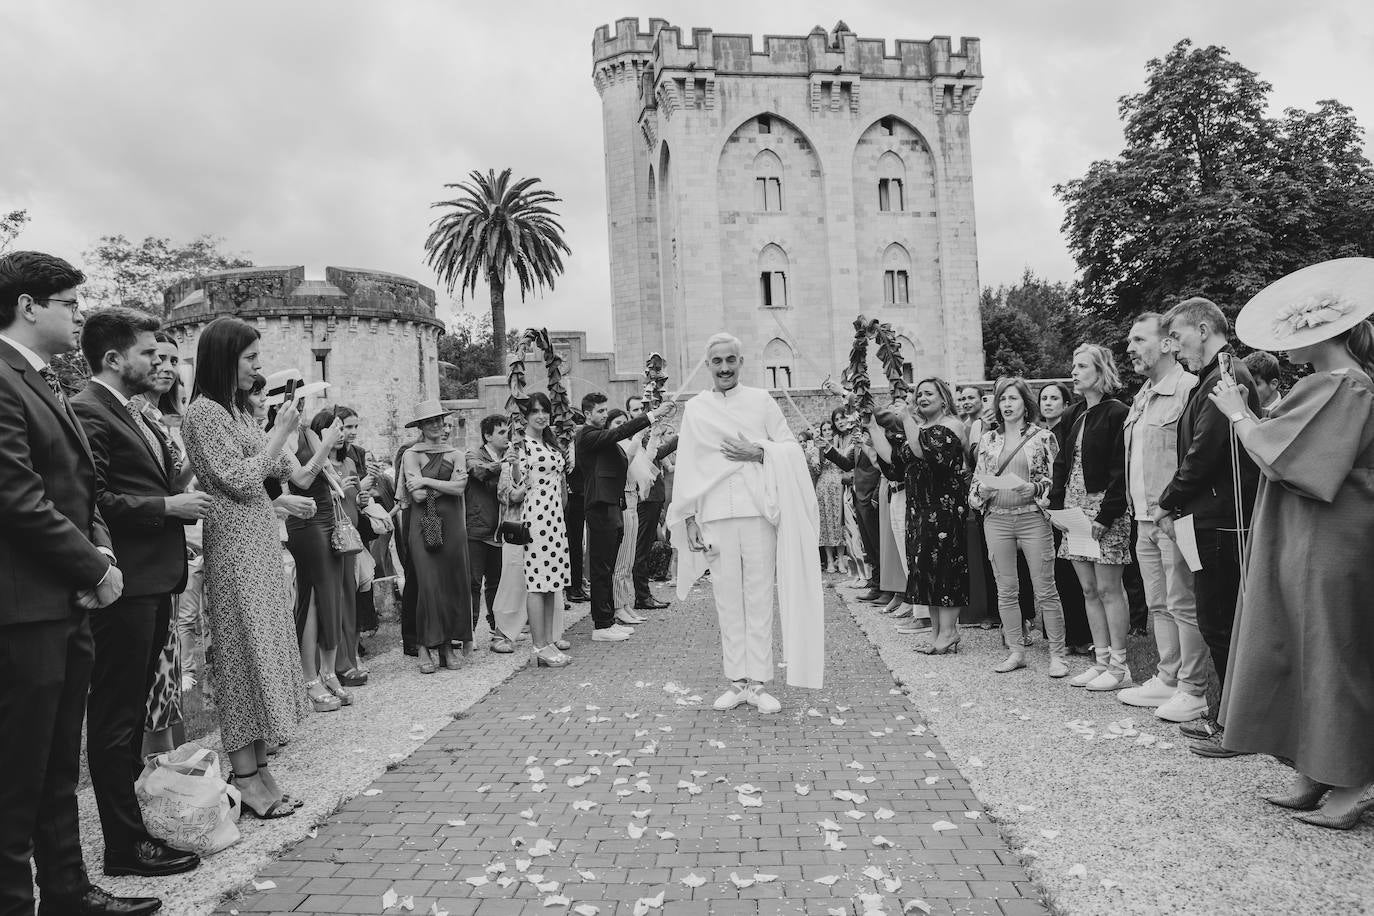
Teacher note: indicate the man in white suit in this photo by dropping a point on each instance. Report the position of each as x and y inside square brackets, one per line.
[744, 504]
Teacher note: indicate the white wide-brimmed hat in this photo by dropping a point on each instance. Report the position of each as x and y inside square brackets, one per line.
[426, 411]
[277, 382]
[1309, 305]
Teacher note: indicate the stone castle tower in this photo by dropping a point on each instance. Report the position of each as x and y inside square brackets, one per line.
[778, 193]
[371, 335]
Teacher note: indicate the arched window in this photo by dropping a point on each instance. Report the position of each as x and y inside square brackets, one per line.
[896, 275]
[908, 354]
[653, 186]
[767, 181]
[891, 182]
[773, 277]
[777, 364]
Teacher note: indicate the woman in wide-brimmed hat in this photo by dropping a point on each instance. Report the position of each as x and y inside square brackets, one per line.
[435, 475]
[1301, 686]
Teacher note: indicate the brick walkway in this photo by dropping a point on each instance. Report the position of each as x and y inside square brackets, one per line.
[476, 801]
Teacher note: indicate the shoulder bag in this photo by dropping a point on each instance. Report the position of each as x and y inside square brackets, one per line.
[512, 529]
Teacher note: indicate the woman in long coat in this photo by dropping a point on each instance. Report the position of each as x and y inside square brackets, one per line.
[1301, 684]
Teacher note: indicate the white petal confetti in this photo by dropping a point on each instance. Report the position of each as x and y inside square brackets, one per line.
[586, 909]
[371, 792]
[557, 900]
[865, 780]
[801, 789]
[932, 780]
[526, 718]
[827, 880]
[541, 847]
[666, 835]
[854, 765]
[635, 831]
[644, 904]
[522, 865]
[883, 842]
[641, 813]
[836, 720]
[973, 815]
[884, 814]
[892, 885]
[918, 905]
[694, 880]
[739, 882]
[874, 873]
[587, 875]
[765, 879]
[479, 881]
[484, 789]
[546, 887]
[856, 815]
[749, 801]
[584, 804]
[697, 774]
[943, 825]
[831, 826]
[536, 774]
[263, 885]
[389, 898]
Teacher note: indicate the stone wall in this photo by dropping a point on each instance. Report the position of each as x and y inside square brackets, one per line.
[372, 335]
[685, 211]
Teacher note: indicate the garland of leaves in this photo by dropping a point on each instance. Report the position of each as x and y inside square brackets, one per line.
[654, 381]
[561, 420]
[889, 352]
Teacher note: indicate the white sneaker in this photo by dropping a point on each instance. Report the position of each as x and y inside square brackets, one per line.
[763, 701]
[1058, 667]
[1182, 707]
[1086, 677]
[1112, 679]
[737, 694]
[1152, 693]
[613, 633]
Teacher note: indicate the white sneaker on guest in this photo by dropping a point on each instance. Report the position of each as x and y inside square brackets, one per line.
[1152, 693]
[613, 633]
[737, 694]
[1182, 707]
[763, 701]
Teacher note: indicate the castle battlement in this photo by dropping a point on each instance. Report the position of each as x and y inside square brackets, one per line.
[840, 52]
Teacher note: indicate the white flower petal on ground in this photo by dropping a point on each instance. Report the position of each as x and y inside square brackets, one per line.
[587, 875]
[834, 843]
[749, 801]
[407, 902]
[527, 814]
[666, 835]
[644, 904]
[557, 900]
[918, 905]
[883, 842]
[765, 879]
[745, 788]
[734, 817]
[263, 885]
[541, 847]
[526, 718]
[693, 880]
[583, 804]
[875, 734]
[574, 782]
[484, 789]
[435, 911]
[831, 826]
[866, 780]
[716, 744]
[884, 814]
[539, 787]
[635, 831]
[814, 713]
[641, 813]
[623, 762]
[836, 911]
[495, 868]
[536, 774]
[857, 798]
[1077, 870]
[929, 754]
[505, 881]
[562, 762]
[697, 774]
[892, 885]
[643, 786]
[479, 881]
[546, 887]
[531, 760]
[940, 826]
[1108, 884]
[856, 815]
[801, 789]
[874, 873]
[593, 771]
[521, 865]
[586, 909]
[371, 792]
[620, 780]
[827, 880]
[932, 780]
[973, 815]
[854, 765]
[739, 882]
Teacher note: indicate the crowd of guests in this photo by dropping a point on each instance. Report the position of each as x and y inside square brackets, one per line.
[939, 483]
[146, 527]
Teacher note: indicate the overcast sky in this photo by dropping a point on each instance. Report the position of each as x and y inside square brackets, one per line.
[319, 132]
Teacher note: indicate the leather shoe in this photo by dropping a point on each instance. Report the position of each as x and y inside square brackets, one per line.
[412, 651]
[151, 859]
[97, 902]
[577, 597]
[651, 604]
[871, 595]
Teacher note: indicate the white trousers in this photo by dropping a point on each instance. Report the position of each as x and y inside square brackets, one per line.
[1173, 610]
[743, 555]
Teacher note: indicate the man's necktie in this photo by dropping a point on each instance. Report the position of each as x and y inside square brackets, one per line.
[155, 420]
[50, 376]
[148, 435]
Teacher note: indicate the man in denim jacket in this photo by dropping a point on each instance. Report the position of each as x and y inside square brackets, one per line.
[1177, 690]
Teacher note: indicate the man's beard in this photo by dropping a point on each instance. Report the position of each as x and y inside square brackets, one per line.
[136, 382]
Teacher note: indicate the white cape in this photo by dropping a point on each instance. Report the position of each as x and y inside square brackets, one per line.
[787, 498]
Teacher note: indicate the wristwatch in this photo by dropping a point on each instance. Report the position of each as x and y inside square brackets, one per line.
[1238, 416]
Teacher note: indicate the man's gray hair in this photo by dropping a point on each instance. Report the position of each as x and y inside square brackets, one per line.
[725, 338]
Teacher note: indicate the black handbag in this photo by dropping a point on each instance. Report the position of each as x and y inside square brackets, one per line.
[512, 530]
[432, 526]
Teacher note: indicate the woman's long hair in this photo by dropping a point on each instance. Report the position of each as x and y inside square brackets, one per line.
[217, 362]
[1022, 388]
[541, 400]
[942, 389]
[169, 402]
[1359, 341]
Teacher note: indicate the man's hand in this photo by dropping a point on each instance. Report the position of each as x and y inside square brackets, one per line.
[1099, 529]
[1164, 521]
[188, 506]
[104, 594]
[741, 449]
[295, 505]
[833, 387]
[694, 541]
[663, 411]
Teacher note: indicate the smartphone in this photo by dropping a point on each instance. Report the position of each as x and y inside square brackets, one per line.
[1224, 363]
[291, 385]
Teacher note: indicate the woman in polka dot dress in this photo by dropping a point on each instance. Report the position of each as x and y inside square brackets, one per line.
[547, 572]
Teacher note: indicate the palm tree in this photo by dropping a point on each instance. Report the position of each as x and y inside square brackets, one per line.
[493, 227]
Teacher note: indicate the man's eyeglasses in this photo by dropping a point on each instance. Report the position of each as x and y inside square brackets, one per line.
[73, 304]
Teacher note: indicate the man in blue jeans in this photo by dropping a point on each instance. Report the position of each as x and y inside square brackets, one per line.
[1204, 488]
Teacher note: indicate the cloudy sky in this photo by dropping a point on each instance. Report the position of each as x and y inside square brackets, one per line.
[313, 132]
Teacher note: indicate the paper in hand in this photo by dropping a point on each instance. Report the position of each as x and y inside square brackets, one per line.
[1078, 532]
[1000, 481]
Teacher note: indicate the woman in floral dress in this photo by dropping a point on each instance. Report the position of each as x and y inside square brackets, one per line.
[1095, 451]
[829, 491]
[259, 690]
[931, 463]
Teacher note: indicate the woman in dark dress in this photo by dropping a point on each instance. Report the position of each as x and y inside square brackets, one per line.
[434, 473]
[932, 465]
[1055, 401]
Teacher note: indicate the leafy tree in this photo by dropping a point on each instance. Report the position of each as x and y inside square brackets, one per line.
[122, 272]
[496, 226]
[11, 224]
[1032, 327]
[469, 352]
[1212, 197]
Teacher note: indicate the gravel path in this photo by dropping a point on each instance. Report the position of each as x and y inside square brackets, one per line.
[333, 758]
[1131, 824]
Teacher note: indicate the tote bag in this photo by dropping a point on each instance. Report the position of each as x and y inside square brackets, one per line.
[186, 804]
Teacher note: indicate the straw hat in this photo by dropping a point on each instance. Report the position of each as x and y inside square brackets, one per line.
[277, 382]
[428, 410]
[1309, 305]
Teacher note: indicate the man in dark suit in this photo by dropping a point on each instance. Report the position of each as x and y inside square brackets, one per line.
[650, 511]
[604, 468]
[56, 564]
[576, 517]
[1204, 488]
[146, 516]
[484, 522]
